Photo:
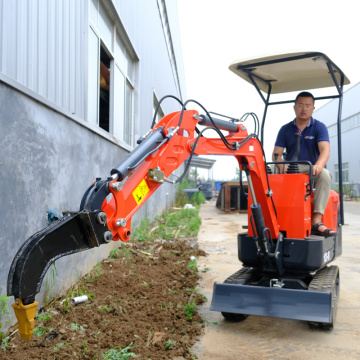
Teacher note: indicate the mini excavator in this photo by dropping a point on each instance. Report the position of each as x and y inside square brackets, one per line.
[285, 269]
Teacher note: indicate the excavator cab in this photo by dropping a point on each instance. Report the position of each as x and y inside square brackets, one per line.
[288, 276]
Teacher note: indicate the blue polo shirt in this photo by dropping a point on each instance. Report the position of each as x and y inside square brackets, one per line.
[314, 133]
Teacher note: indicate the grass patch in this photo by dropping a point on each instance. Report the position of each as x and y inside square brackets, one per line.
[179, 223]
[77, 290]
[170, 225]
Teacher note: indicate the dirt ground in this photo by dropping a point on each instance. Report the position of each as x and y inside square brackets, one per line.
[273, 338]
[135, 299]
[139, 300]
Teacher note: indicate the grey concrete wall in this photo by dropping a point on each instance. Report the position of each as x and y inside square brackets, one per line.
[47, 161]
[49, 158]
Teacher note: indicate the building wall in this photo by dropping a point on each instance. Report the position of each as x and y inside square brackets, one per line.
[43, 48]
[50, 152]
[350, 124]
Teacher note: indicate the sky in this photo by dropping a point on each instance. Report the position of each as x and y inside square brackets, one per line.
[216, 33]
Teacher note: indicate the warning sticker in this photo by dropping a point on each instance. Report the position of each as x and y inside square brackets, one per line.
[140, 192]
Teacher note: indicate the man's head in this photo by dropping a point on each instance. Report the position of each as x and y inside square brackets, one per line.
[304, 106]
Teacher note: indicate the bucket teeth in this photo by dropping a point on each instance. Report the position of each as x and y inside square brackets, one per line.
[25, 315]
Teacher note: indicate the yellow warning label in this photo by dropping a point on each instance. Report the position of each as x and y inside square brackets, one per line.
[140, 192]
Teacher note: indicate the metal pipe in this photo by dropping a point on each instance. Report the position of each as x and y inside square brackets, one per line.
[340, 161]
[220, 124]
[250, 185]
[138, 153]
[79, 299]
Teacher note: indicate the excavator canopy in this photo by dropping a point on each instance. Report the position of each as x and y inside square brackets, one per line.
[289, 72]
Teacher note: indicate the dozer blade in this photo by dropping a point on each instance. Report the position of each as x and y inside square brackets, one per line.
[274, 302]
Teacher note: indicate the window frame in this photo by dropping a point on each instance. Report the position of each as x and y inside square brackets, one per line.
[119, 40]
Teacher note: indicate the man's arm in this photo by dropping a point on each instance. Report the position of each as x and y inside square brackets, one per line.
[324, 148]
[277, 150]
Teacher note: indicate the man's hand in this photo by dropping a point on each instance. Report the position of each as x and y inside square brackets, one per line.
[317, 169]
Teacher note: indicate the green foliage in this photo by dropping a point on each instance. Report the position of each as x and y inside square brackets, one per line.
[198, 198]
[40, 330]
[4, 308]
[59, 346]
[106, 308]
[76, 290]
[113, 253]
[96, 272]
[192, 265]
[76, 327]
[189, 309]
[4, 343]
[181, 196]
[84, 347]
[43, 317]
[50, 282]
[170, 344]
[117, 353]
[141, 232]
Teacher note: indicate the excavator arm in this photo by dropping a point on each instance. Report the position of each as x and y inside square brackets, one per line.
[108, 204]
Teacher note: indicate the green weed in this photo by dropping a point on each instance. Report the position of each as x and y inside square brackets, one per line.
[43, 317]
[40, 330]
[76, 290]
[4, 343]
[4, 309]
[198, 198]
[84, 347]
[113, 253]
[97, 271]
[143, 231]
[125, 253]
[49, 283]
[59, 346]
[106, 308]
[117, 353]
[189, 309]
[170, 344]
[192, 265]
[76, 327]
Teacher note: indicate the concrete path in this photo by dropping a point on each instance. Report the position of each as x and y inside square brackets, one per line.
[272, 338]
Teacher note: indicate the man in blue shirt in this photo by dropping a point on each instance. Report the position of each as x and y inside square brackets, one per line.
[314, 147]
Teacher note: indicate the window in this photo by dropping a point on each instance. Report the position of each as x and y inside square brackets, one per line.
[111, 76]
[345, 173]
[104, 90]
[346, 125]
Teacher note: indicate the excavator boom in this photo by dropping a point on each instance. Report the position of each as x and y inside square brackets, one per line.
[108, 204]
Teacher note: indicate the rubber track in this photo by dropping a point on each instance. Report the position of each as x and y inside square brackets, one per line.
[240, 277]
[325, 279]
